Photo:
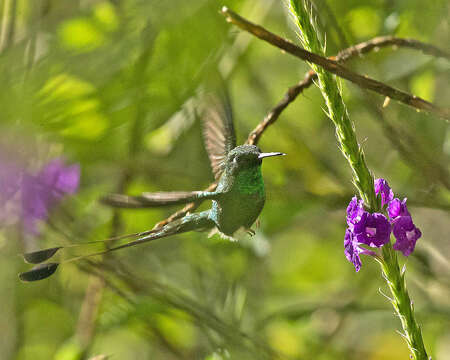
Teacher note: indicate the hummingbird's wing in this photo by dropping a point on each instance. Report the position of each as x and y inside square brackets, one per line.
[218, 131]
[156, 199]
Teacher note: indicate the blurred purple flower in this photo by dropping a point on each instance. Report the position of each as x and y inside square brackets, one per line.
[38, 193]
[382, 188]
[42, 192]
[60, 179]
[35, 203]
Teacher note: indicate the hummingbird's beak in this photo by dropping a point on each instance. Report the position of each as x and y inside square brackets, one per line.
[269, 154]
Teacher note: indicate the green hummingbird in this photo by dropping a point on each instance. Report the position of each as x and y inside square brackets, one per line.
[237, 200]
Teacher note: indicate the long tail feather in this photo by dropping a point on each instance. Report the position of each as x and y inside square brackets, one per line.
[200, 221]
[39, 256]
[39, 272]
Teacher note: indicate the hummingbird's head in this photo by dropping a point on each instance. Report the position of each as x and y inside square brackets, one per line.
[246, 156]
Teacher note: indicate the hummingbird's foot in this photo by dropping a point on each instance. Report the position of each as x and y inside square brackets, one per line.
[221, 234]
[251, 232]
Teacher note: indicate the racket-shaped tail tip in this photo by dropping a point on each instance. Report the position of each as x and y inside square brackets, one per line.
[39, 272]
[36, 257]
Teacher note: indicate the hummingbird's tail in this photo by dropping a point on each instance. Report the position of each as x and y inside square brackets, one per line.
[198, 221]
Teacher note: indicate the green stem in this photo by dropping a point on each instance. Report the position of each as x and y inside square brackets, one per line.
[362, 177]
[402, 303]
[337, 111]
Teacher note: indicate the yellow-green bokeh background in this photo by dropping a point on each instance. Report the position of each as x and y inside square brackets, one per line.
[109, 85]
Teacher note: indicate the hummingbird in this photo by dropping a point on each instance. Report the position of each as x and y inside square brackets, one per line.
[237, 200]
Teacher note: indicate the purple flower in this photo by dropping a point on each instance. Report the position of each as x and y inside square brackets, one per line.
[403, 227]
[60, 179]
[355, 210]
[373, 229]
[42, 192]
[382, 188]
[406, 234]
[35, 203]
[351, 250]
[397, 208]
[364, 228]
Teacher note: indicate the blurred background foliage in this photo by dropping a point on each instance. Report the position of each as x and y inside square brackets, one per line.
[110, 85]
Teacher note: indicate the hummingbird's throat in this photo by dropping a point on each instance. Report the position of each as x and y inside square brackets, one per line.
[249, 181]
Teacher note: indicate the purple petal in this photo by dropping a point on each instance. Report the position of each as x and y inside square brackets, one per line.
[355, 210]
[382, 188]
[60, 179]
[351, 250]
[373, 229]
[69, 180]
[406, 234]
[397, 208]
[35, 200]
[35, 203]
[40, 193]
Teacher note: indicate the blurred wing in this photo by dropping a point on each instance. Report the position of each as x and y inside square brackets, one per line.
[157, 199]
[218, 131]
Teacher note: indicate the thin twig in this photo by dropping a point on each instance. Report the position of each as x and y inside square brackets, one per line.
[383, 41]
[335, 67]
[89, 309]
[341, 57]
[273, 114]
